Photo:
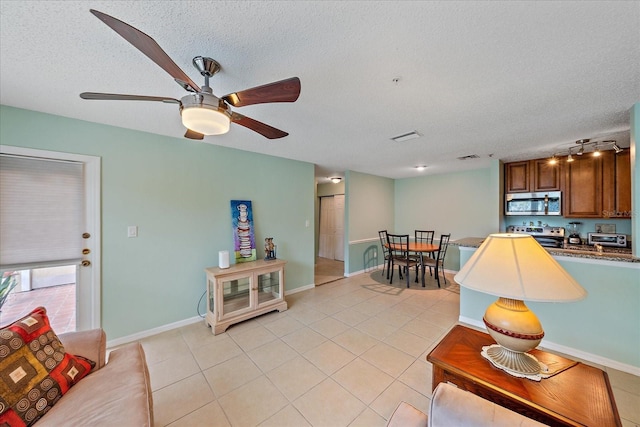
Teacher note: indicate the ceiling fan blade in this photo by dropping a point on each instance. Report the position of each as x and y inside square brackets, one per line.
[119, 97]
[256, 126]
[191, 134]
[286, 90]
[146, 45]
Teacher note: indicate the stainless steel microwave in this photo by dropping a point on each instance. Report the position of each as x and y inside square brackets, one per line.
[549, 203]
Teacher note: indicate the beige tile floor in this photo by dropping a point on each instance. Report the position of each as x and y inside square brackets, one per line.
[343, 354]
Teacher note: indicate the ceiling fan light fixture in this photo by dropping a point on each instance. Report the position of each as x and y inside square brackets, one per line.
[205, 114]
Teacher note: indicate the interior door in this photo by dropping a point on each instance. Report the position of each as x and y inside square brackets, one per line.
[326, 246]
[338, 236]
[88, 262]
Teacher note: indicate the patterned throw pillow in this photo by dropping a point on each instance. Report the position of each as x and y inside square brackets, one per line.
[35, 371]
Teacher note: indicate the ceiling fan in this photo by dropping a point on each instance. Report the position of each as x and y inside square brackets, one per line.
[202, 112]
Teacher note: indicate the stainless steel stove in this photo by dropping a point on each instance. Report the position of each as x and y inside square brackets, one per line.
[550, 237]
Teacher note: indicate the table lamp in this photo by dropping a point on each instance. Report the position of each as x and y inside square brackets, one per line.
[515, 268]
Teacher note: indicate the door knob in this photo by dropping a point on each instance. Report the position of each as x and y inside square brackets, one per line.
[86, 251]
[86, 235]
[85, 263]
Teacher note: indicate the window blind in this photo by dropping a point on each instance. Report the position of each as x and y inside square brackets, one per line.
[41, 212]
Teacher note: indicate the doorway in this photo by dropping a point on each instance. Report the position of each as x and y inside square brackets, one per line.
[331, 236]
[330, 263]
[68, 288]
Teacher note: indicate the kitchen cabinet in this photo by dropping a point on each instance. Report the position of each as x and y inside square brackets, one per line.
[532, 176]
[243, 291]
[598, 187]
[584, 187]
[623, 185]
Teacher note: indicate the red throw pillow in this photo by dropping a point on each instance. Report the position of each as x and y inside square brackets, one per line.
[35, 371]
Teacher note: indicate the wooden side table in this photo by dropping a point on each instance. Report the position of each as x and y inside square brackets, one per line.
[579, 395]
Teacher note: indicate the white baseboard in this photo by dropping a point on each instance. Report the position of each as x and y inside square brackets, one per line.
[579, 354]
[149, 332]
[300, 289]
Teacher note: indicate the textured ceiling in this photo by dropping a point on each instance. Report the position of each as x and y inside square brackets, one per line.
[508, 80]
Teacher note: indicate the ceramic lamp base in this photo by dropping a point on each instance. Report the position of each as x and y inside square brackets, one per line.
[514, 363]
[517, 330]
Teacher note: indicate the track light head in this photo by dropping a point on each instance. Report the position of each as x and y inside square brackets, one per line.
[617, 148]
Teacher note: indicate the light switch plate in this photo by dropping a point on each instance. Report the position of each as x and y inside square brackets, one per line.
[132, 231]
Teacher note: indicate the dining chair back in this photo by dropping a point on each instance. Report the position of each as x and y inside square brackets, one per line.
[438, 262]
[424, 236]
[399, 246]
[384, 242]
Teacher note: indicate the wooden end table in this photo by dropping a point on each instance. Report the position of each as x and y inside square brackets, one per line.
[579, 395]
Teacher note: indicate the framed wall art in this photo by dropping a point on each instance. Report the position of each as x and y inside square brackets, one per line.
[243, 235]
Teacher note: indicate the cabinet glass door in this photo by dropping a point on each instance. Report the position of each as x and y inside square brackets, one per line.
[236, 295]
[268, 287]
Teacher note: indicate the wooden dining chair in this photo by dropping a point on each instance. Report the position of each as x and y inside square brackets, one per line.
[384, 242]
[399, 246]
[437, 263]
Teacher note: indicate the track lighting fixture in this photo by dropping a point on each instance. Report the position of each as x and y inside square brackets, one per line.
[616, 148]
[569, 157]
[585, 146]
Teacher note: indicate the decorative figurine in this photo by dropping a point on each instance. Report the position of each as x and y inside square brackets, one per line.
[269, 249]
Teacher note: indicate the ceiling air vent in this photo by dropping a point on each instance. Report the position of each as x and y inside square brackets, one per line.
[406, 136]
[470, 156]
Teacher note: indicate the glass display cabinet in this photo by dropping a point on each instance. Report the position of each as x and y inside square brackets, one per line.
[243, 291]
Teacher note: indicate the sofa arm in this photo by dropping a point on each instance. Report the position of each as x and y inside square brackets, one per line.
[90, 344]
[451, 406]
[407, 415]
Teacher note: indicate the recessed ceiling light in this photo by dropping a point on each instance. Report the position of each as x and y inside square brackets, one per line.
[406, 136]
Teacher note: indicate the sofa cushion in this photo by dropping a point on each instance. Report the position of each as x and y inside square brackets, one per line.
[119, 394]
[35, 370]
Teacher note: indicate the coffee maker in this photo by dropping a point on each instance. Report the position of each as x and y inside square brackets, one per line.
[574, 233]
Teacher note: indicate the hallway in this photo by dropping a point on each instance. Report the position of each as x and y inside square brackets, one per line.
[327, 271]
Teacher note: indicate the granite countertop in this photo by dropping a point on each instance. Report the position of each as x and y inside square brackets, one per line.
[577, 251]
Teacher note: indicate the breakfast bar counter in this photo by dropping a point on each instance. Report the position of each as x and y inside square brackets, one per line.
[574, 251]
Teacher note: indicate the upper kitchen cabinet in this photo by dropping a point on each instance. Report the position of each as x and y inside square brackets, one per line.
[598, 187]
[533, 176]
[623, 185]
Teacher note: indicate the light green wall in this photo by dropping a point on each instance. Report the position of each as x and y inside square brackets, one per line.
[604, 324]
[461, 203]
[330, 189]
[369, 208]
[177, 192]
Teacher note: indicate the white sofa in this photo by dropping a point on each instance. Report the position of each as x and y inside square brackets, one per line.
[117, 393]
[451, 406]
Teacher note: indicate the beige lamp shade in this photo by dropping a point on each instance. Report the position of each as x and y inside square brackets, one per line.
[516, 266]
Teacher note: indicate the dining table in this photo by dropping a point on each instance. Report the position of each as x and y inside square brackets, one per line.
[421, 249]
